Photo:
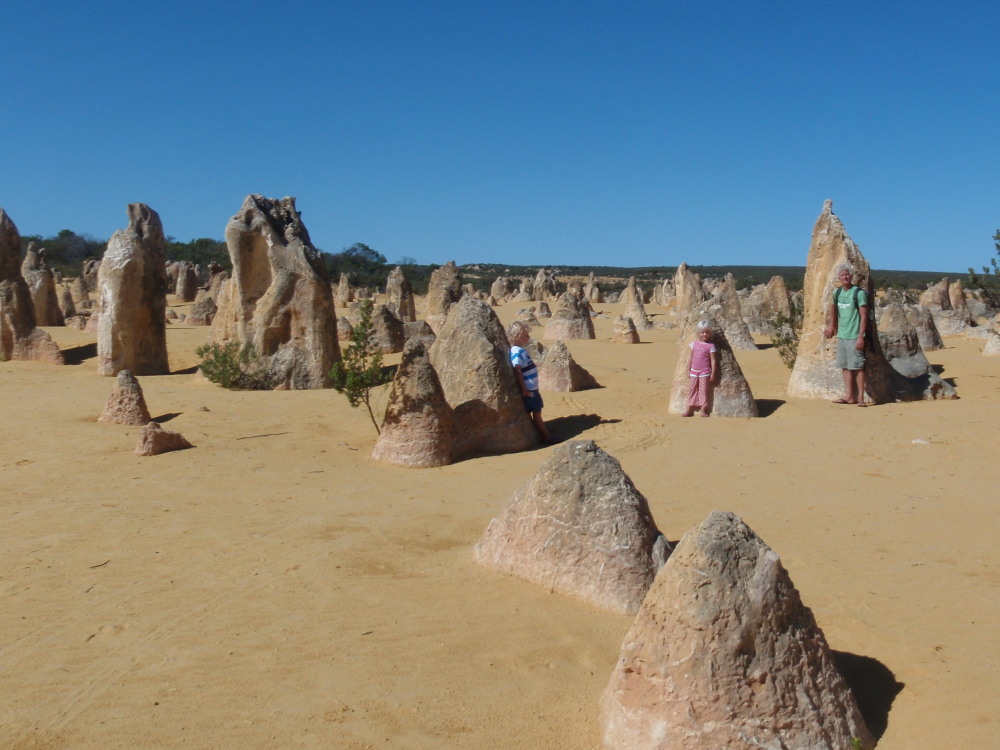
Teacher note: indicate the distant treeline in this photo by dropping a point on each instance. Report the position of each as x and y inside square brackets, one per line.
[367, 267]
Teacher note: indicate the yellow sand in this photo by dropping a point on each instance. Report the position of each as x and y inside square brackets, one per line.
[273, 588]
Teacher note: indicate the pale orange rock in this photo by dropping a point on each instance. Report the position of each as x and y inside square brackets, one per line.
[155, 440]
[723, 655]
[443, 291]
[278, 299]
[634, 306]
[132, 298]
[558, 371]
[731, 397]
[624, 331]
[816, 374]
[571, 320]
[578, 527]
[126, 404]
[419, 425]
[20, 339]
[471, 356]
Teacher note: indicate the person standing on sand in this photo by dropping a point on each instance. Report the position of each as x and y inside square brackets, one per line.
[847, 317]
[703, 367]
[518, 334]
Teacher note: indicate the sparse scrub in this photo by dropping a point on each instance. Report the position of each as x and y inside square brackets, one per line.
[360, 368]
[234, 365]
[786, 340]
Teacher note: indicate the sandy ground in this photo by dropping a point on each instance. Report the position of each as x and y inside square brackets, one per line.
[273, 588]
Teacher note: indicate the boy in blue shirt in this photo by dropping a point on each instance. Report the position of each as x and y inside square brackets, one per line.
[518, 334]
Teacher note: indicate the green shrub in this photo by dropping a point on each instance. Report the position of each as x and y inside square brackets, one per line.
[236, 366]
[786, 340]
[360, 368]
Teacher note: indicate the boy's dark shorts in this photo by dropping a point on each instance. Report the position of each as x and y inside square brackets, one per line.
[533, 402]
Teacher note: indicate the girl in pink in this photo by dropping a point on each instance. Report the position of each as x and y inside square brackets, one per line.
[704, 369]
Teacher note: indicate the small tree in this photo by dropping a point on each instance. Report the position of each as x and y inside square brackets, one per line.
[360, 367]
[786, 340]
[989, 280]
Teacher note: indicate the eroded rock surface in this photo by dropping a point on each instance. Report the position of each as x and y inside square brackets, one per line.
[816, 374]
[279, 298]
[132, 298]
[723, 655]
[578, 527]
[126, 404]
[20, 338]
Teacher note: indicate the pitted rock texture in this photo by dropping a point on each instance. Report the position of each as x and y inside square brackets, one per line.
[419, 426]
[20, 339]
[816, 374]
[579, 527]
[731, 397]
[132, 298]
[278, 299]
[571, 320]
[126, 404]
[723, 655]
[472, 358]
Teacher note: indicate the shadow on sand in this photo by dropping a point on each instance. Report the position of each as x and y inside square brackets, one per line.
[76, 355]
[767, 406]
[567, 428]
[874, 687]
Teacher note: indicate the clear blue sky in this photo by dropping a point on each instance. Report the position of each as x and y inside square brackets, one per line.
[605, 133]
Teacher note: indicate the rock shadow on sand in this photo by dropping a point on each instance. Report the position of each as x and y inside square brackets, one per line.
[77, 355]
[567, 428]
[874, 687]
[767, 406]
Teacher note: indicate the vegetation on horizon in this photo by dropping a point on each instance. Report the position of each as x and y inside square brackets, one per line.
[366, 267]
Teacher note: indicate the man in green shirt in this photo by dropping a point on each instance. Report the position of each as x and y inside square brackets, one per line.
[847, 317]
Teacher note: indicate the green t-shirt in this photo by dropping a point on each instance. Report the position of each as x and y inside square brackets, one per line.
[849, 314]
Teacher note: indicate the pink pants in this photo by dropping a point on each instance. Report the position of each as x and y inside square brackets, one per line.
[699, 392]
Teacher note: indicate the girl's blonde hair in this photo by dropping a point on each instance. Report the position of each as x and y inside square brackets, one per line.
[706, 325]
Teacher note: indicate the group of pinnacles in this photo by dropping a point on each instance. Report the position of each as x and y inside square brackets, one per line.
[722, 652]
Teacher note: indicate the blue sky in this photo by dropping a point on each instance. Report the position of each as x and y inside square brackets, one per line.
[604, 133]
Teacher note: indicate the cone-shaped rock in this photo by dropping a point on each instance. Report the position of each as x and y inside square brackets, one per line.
[344, 294]
[731, 397]
[387, 330]
[42, 285]
[132, 298]
[155, 440]
[992, 347]
[816, 374]
[19, 337]
[634, 306]
[279, 298]
[571, 320]
[419, 426]
[689, 292]
[443, 291]
[578, 527]
[126, 404]
[472, 359]
[727, 313]
[624, 331]
[399, 296]
[723, 655]
[558, 371]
